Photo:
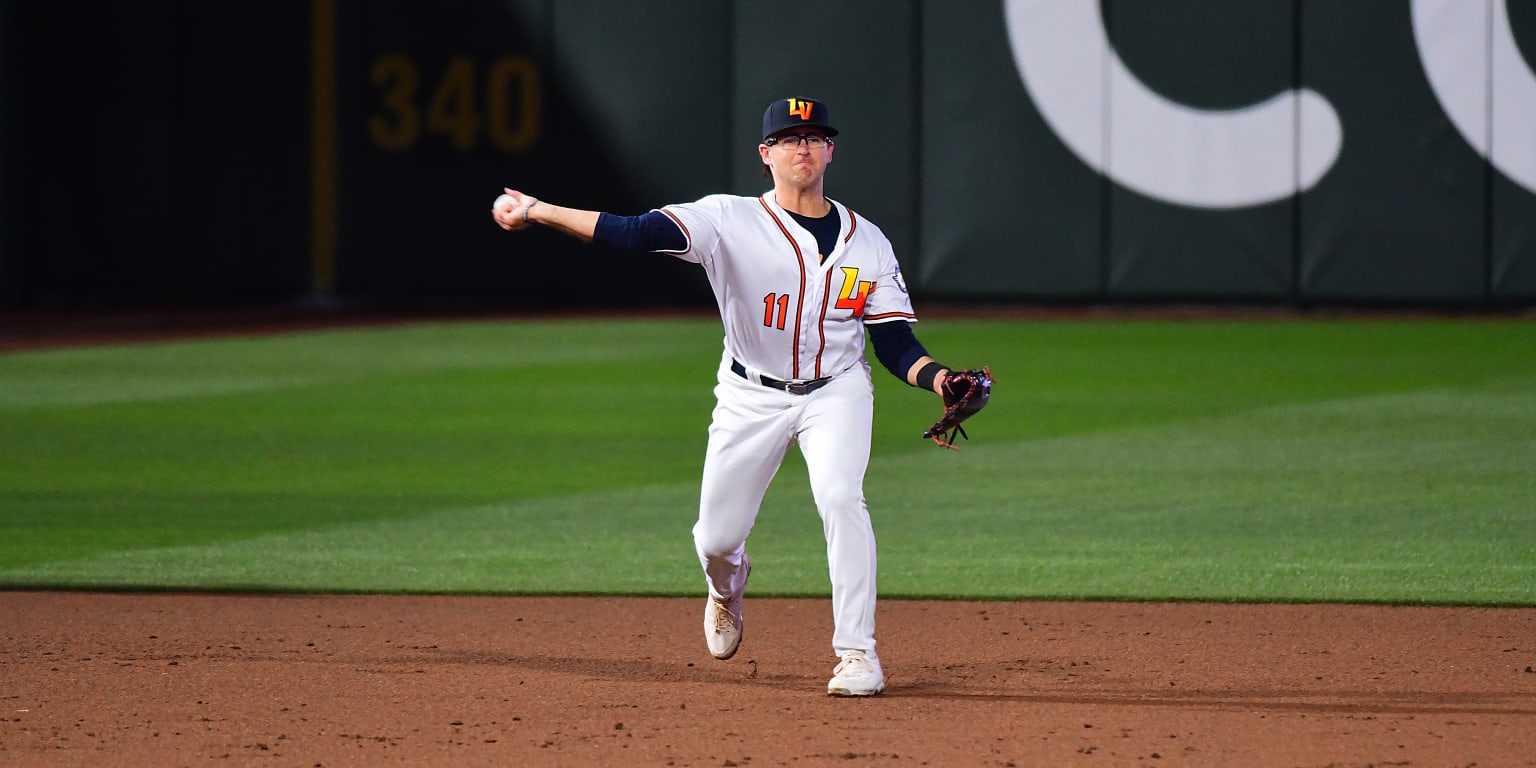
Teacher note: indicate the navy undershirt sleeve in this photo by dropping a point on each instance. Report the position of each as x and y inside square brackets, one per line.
[896, 346]
[653, 231]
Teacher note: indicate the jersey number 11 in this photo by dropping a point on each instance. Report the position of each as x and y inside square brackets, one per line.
[768, 302]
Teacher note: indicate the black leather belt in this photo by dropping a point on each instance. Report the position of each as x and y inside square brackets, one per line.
[792, 387]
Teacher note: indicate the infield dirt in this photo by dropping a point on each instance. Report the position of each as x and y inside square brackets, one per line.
[89, 679]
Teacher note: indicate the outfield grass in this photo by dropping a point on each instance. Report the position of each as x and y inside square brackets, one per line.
[1282, 460]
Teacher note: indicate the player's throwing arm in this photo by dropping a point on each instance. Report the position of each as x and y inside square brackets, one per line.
[514, 211]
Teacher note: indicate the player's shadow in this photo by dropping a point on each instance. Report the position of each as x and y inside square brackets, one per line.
[644, 670]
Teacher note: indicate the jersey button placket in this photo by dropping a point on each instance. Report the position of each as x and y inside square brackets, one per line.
[810, 313]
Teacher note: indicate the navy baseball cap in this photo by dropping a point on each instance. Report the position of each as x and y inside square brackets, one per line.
[784, 114]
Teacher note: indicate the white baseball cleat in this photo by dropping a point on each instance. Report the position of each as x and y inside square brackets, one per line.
[723, 621]
[857, 674]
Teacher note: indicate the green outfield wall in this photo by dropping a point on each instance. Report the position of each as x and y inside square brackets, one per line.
[1288, 152]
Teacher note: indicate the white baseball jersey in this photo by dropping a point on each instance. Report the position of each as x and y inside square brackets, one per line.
[786, 315]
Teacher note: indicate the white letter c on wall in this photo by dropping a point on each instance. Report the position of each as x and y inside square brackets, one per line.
[1489, 93]
[1154, 146]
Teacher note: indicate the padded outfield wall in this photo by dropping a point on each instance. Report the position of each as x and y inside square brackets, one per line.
[1291, 152]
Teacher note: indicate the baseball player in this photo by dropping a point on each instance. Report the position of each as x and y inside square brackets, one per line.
[799, 280]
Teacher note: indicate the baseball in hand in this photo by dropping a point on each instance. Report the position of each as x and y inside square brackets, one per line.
[504, 201]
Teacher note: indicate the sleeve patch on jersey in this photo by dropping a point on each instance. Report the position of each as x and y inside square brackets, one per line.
[901, 282]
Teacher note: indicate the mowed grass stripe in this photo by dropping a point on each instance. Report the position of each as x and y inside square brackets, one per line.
[189, 369]
[534, 546]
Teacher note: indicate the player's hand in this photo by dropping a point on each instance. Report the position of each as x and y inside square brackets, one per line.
[510, 211]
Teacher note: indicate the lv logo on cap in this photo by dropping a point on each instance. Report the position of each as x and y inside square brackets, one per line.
[800, 109]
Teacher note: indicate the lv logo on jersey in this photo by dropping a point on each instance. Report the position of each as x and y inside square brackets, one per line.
[854, 292]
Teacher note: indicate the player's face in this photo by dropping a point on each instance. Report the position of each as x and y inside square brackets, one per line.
[797, 156]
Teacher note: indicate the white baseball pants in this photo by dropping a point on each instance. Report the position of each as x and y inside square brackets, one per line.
[753, 426]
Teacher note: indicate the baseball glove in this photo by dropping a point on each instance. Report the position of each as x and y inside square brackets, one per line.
[965, 393]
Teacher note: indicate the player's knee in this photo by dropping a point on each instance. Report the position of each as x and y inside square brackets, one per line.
[714, 544]
[840, 500]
